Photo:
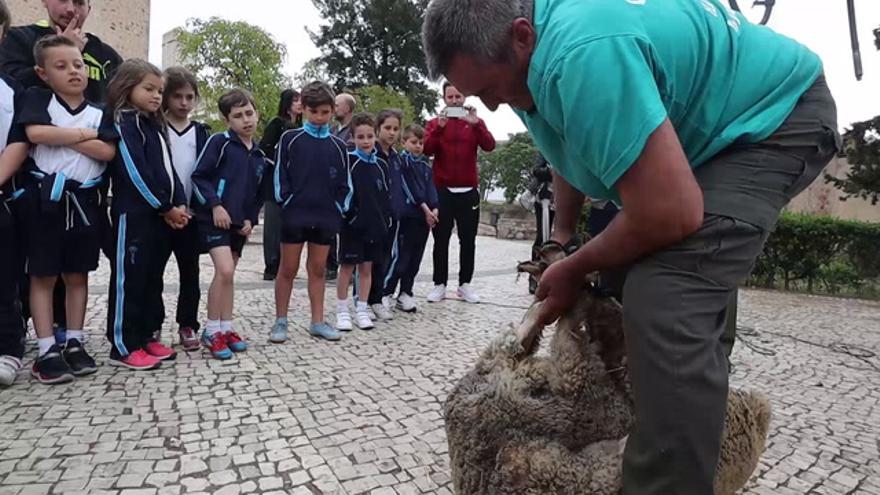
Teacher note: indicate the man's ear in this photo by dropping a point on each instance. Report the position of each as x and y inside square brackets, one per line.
[41, 73]
[523, 36]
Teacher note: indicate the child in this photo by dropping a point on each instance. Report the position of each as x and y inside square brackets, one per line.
[148, 198]
[187, 139]
[419, 216]
[226, 185]
[311, 182]
[62, 202]
[368, 217]
[13, 151]
[388, 128]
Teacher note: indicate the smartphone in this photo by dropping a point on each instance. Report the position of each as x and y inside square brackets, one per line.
[456, 112]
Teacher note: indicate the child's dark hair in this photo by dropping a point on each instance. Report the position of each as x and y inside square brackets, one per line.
[5, 18]
[413, 130]
[127, 77]
[360, 119]
[47, 42]
[388, 113]
[176, 78]
[235, 98]
[317, 93]
[288, 96]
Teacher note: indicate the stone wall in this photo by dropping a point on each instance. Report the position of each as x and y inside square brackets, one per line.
[507, 222]
[123, 24]
[822, 198]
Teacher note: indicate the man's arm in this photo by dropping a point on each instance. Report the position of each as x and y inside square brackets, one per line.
[433, 137]
[569, 204]
[485, 139]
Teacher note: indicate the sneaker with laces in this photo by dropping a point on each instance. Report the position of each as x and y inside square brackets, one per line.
[388, 302]
[188, 339]
[382, 313]
[437, 294]
[217, 345]
[371, 313]
[363, 320]
[137, 360]
[51, 368]
[278, 334]
[9, 366]
[78, 359]
[159, 351]
[343, 321]
[234, 341]
[407, 303]
[467, 293]
[324, 331]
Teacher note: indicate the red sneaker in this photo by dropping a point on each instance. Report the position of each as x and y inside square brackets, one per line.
[235, 342]
[188, 339]
[217, 345]
[137, 360]
[159, 351]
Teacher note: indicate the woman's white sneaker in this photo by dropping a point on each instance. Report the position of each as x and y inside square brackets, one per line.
[437, 294]
[468, 293]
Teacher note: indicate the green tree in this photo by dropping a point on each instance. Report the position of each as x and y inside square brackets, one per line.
[510, 165]
[862, 145]
[487, 168]
[225, 54]
[375, 42]
[374, 99]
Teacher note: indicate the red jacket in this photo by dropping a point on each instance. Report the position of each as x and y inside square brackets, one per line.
[454, 148]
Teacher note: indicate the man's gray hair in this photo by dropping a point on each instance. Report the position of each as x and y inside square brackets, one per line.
[479, 28]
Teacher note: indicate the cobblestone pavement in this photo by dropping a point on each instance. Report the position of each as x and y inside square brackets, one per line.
[364, 415]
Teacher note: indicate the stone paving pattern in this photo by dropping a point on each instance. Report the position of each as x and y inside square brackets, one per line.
[365, 415]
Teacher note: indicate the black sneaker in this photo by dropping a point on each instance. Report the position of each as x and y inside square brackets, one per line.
[78, 359]
[51, 368]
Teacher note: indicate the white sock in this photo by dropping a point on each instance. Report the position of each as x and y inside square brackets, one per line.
[75, 334]
[212, 327]
[226, 325]
[45, 344]
[342, 306]
[362, 306]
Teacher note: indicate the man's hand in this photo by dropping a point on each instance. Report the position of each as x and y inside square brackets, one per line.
[247, 229]
[74, 33]
[221, 217]
[471, 117]
[442, 119]
[559, 288]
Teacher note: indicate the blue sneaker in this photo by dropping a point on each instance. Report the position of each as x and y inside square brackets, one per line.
[278, 334]
[217, 345]
[234, 341]
[324, 331]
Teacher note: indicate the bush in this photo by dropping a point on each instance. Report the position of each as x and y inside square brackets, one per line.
[820, 254]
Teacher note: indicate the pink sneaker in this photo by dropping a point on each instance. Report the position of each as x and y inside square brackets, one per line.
[137, 360]
[188, 339]
[159, 351]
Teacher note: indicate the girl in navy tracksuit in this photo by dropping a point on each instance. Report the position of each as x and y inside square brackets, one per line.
[148, 201]
[367, 221]
[227, 201]
[417, 219]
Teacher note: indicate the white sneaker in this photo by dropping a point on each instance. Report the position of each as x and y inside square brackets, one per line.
[363, 320]
[407, 303]
[388, 302]
[468, 293]
[343, 321]
[382, 312]
[437, 294]
[9, 367]
[371, 314]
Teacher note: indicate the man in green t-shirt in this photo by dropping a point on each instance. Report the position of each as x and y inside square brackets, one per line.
[702, 127]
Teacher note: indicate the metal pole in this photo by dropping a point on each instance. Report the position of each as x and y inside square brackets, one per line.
[854, 39]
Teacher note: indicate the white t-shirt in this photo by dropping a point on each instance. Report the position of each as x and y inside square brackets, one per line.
[7, 112]
[183, 154]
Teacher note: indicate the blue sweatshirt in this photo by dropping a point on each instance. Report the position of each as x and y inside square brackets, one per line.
[392, 163]
[418, 182]
[229, 174]
[311, 178]
[368, 203]
[144, 179]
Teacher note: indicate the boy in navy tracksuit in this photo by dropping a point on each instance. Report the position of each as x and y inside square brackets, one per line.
[13, 152]
[311, 183]
[226, 187]
[63, 202]
[419, 216]
[367, 220]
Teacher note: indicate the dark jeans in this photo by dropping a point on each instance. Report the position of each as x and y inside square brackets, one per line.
[271, 236]
[383, 269]
[676, 300]
[11, 321]
[461, 210]
[411, 242]
[185, 246]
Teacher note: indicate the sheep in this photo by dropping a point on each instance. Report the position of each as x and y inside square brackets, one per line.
[521, 423]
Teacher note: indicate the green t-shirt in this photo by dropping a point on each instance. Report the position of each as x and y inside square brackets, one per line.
[606, 73]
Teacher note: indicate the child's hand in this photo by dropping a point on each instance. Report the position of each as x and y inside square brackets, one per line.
[221, 218]
[430, 219]
[247, 229]
[177, 217]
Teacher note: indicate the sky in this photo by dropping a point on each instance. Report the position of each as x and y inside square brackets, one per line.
[822, 25]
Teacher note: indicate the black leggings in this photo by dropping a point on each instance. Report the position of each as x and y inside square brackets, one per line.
[461, 210]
